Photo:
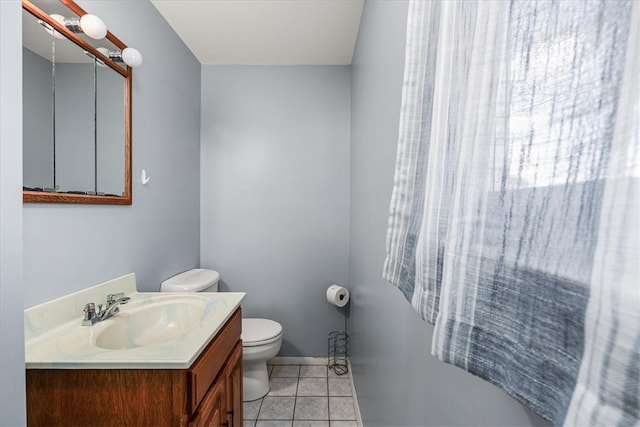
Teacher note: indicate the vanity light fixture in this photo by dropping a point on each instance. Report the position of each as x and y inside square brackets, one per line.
[49, 29]
[89, 24]
[95, 28]
[130, 56]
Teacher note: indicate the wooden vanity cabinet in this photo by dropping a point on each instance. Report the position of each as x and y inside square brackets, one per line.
[222, 404]
[212, 411]
[233, 381]
[209, 393]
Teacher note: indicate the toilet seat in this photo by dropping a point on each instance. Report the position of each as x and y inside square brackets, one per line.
[257, 332]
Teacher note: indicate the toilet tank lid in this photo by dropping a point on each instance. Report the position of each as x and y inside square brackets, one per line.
[195, 280]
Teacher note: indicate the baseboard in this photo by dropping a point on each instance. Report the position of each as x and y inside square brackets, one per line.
[313, 360]
[355, 396]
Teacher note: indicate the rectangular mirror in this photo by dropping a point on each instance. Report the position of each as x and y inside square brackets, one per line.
[77, 112]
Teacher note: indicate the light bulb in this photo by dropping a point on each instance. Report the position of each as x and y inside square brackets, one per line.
[131, 57]
[49, 28]
[93, 26]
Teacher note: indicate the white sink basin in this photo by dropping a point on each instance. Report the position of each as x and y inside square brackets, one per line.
[151, 324]
[140, 323]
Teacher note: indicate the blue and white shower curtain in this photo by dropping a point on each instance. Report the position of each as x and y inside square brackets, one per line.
[515, 215]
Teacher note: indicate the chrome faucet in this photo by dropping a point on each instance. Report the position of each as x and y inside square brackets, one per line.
[91, 316]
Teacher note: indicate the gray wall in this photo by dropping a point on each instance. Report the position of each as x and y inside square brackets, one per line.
[69, 247]
[12, 388]
[397, 380]
[275, 193]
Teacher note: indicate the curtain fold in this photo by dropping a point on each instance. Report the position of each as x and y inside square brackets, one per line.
[515, 214]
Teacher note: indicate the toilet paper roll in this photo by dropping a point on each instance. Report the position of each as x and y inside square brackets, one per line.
[337, 295]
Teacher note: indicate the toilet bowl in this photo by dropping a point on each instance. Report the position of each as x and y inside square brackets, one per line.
[261, 338]
[261, 341]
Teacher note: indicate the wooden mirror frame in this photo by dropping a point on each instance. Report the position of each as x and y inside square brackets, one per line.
[126, 198]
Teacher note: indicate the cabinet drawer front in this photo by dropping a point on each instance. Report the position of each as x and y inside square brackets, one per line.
[209, 364]
[212, 411]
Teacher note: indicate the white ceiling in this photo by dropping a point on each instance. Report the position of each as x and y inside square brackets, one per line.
[266, 32]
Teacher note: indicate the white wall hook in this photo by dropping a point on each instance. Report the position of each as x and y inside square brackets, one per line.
[144, 178]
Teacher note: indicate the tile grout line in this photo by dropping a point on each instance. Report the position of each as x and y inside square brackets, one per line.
[328, 403]
[327, 395]
[295, 401]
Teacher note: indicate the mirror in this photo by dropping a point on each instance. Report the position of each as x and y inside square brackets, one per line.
[77, 111]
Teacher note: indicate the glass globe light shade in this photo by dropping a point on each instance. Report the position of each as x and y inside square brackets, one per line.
[50, 30]
[93, 26]
[131, 57]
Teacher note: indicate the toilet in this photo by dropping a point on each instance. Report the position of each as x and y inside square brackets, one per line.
[261, 338]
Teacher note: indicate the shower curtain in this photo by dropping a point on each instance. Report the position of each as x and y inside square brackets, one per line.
[515, 214]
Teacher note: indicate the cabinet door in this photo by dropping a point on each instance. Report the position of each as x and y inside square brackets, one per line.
[213, 409]
[233, 379]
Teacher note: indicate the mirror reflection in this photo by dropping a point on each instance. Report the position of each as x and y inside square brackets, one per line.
[76, 117]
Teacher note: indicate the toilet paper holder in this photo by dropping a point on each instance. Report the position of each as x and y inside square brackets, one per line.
[338, 352]
[338, 348]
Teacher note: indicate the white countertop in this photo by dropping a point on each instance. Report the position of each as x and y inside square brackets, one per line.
[176, 326]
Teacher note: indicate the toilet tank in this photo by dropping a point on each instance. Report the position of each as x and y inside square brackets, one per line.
[196, 280]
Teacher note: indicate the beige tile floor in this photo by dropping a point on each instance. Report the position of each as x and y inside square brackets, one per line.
[303, 396]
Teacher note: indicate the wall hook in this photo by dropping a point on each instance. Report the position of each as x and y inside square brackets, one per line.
[144, 178]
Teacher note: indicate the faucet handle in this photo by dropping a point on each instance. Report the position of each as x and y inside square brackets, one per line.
[112, 298]
[89, 311]
[89, 314]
